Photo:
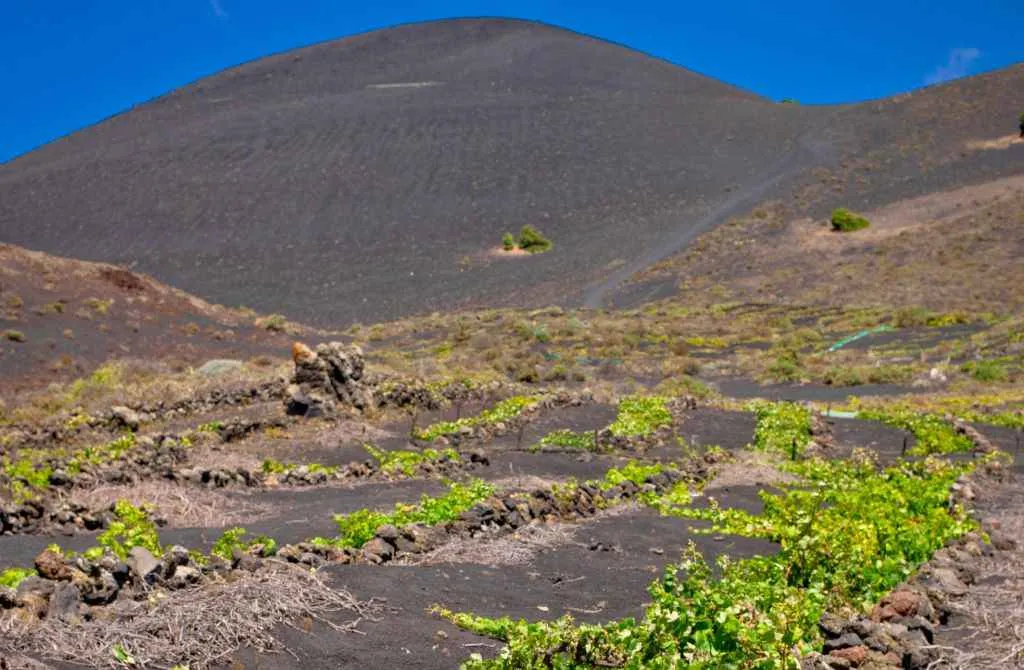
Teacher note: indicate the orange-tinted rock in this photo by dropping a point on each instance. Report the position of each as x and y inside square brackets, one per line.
[855, 655]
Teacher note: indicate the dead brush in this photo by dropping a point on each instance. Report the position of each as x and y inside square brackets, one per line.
[181, 507]
[197, 628]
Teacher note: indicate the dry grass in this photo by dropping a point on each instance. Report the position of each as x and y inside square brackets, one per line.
[182, 507]
[224, 458]
[990, 626]
[130, 381]
[518, 548]
[198, 627]
[748, 468]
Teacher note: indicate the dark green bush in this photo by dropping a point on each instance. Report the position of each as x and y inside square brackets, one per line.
[845, 221]
[508, 242]
[531, 240]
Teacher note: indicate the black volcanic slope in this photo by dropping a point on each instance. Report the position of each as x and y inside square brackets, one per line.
[367, 178]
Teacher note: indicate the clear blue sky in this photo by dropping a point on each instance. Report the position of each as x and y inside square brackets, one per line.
[65, 64]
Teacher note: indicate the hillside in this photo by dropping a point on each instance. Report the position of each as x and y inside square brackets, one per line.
[313, 184]
[60, 318]
[493, 473]
[371, 177]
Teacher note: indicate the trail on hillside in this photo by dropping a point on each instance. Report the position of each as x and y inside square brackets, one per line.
[808, 153]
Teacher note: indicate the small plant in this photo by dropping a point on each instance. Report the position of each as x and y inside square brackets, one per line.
[530, 240]
[131, 527]
[640, 416]
[932, 435]
[14, 335]
[12, 577]
[845, 221]
[406, 462]
[505, 410]
[275, 323]
[987, 370]
[13, 301]
[566, 439]
[210, 427]
[508, 242]
[358, 528]
[232, 539]
[782, 427]
[99, 306]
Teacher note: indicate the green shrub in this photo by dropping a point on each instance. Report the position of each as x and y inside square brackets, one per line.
[505, 410]
[14, 335]
[508, 243]
[566, 439]
[844, 541]
[640, 416]
[986, 371]
[12, 577]
[232, 539]
[845, 221]
[786, 367]
[532, 241]
[932, 434]
[782, 427]
[131, 527]
[358, 528]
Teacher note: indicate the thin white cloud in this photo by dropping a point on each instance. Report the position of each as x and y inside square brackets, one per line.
[958, 65]
[218, 9]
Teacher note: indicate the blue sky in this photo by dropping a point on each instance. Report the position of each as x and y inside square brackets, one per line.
[72, 62]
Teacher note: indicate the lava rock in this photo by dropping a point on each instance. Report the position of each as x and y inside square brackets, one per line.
[378, 551]
[144, 565]
[50, 565]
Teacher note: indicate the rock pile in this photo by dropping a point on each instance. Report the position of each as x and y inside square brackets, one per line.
[900, 631]
[74, 588]
[325, 378]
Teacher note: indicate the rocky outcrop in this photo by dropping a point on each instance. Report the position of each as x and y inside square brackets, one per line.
[327, 378]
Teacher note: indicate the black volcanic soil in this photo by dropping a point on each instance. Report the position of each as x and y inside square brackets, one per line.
[592, 585]
[372, 177]
[308, 184]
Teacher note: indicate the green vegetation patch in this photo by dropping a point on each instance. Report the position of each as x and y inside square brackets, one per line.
[406, 461]
[782, 427]
[358, 528]
[505, 410]
[845, 221]
[235, 539]
[131, 527]
[992, 370]
[566, 439]
[12, 577]
[639, 416]
[932, 434]
[530, 240]
[844, 542]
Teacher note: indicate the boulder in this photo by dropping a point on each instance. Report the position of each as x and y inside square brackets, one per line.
[51, 565]
[183, 577]
[125, 416]
[855, 655]
[66, 602]
[100, 589]
[324, 378]
[378, 551]
[144, 565]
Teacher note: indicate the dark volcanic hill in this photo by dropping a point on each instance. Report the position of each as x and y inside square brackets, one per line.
[370, 177]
